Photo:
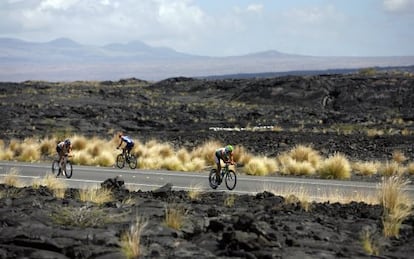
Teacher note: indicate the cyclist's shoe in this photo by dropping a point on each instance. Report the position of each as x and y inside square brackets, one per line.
[218, 180]
[64, 172]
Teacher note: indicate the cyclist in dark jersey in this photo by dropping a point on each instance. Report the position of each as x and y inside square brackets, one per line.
[128, 141]
[225, 154]
[63, 148]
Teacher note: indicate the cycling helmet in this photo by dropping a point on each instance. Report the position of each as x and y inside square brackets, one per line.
[229, 148]
[67, 142]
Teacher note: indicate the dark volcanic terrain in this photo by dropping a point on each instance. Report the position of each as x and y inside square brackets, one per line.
[332, 112]
[364, 117]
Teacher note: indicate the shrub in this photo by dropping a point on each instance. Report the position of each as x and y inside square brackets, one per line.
[336, 167]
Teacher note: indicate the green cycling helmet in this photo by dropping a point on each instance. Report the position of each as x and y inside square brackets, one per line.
[229, 148]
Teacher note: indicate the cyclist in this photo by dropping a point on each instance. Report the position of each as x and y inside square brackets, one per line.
[225, 154]
[128, 141]
[63, 148]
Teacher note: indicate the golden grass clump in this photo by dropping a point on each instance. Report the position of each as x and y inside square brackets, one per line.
[396, 202]
[30, 153]
[230, 200]
[391, 168]
[183, 155]
[194, 192]
[96, 195]
[174, 216]
[195, 165]
[149, 163]
[48, 146]
[302, 153]
[366, 168]
[172, 163]
[79, 142]
[57, 185]
[398, 156]
[16, 147]
[105, 158]
[206, 151]
[131, 239]
[82, 157]
[410, 168]
[336, 166]
[241, 156]
[261, 166]
[369, 243]
[12, 178]
[294, 167]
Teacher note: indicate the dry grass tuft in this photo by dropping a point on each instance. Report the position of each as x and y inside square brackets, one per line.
[336, 167]
[302, 153]
[57, 185]
[206, 151]
[398, 156]
[261, 166]
[12, 178]
[396, 202]
[410, 168]
[96, 195]
[294, 167]
[48, 146]
[367, 168]
[391, 168]
[230, 200]
[194, 192]
[369, 242]
[131, 240]
[174, 216]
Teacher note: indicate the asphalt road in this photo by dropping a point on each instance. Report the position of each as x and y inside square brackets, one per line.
[145, 180]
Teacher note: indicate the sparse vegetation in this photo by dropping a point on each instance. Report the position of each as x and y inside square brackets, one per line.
[12, 178]
[81, 217]
[174, 216]
[396, 202]
[131, 239]
[95, 195]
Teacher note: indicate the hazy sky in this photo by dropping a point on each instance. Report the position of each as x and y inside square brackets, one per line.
[221, 27]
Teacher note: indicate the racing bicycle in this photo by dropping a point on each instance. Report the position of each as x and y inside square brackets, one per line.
[227, 174]
[66, 166]
[124, 157]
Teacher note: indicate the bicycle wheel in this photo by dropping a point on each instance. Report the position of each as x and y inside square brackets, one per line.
[69, 169]
[230, 179]
[55, 168]
[132, 162]
[120, 161]
[212, 178]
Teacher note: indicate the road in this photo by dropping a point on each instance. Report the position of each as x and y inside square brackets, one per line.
[145, 180]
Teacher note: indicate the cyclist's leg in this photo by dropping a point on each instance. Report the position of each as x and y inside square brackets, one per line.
[218, 165]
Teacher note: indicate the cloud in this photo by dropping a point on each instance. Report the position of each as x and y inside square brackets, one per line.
[255, 8]
[399, 6]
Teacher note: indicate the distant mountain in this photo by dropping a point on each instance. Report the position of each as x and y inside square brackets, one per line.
[63, 59]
